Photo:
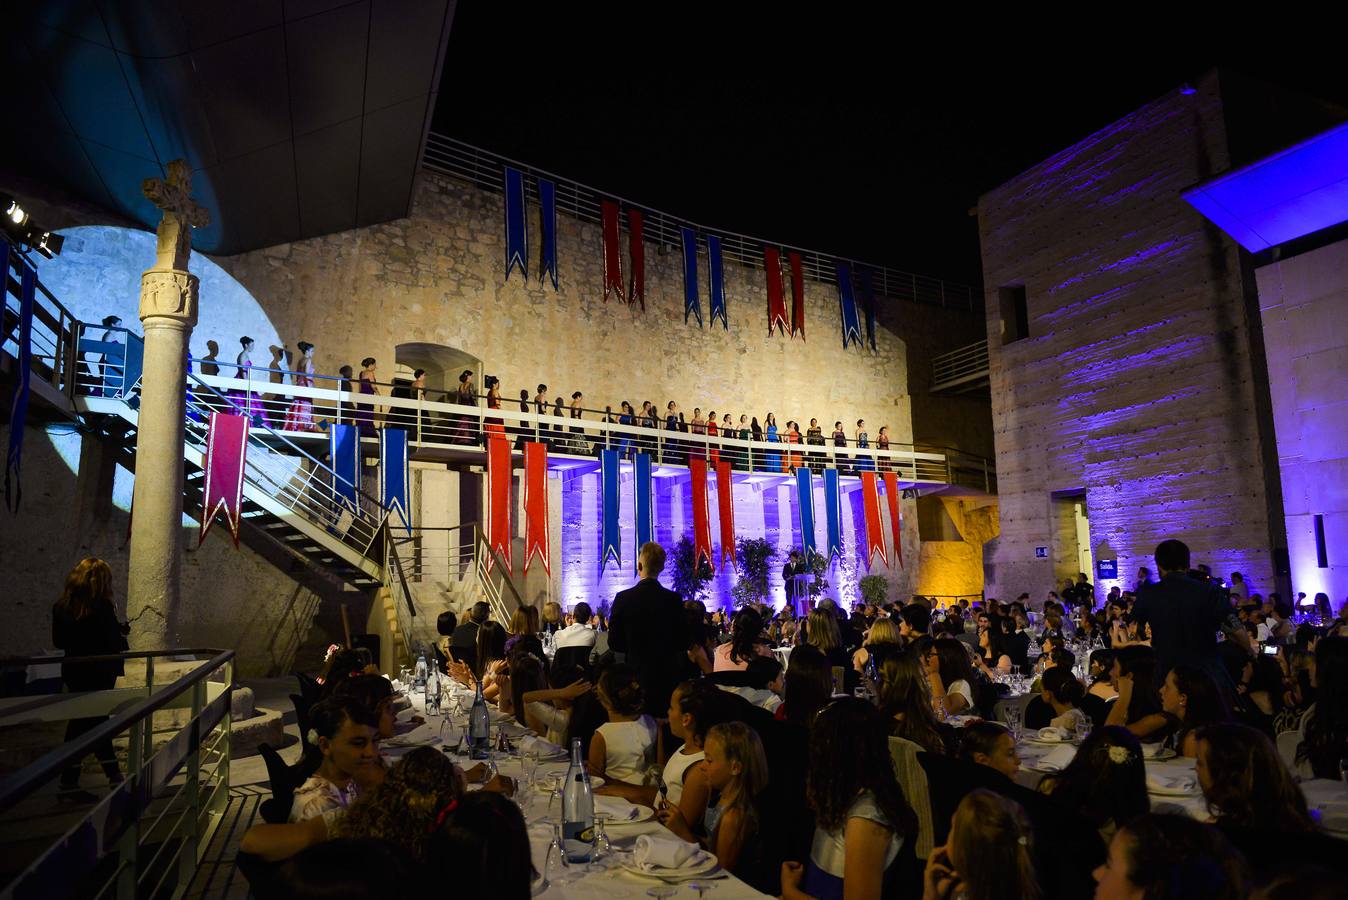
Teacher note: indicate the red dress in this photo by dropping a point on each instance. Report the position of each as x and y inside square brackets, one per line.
[495, 427]
[792, 457]
[713, 431]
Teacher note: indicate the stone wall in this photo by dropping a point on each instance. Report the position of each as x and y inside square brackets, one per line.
[1139, 377]
[1304, 305]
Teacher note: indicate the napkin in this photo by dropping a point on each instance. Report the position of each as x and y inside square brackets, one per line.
[1057, 759]
[1053, 734]
[1151, 751]
[616, 809]
[532, 742]
[659, 852]
[1176, 782]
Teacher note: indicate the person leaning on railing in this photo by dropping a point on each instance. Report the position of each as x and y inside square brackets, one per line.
[84, 623]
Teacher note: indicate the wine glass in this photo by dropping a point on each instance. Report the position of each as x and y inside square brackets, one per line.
[661, 891]
[602, 845]
[702, 887]
[555, 864]
[1081, 729]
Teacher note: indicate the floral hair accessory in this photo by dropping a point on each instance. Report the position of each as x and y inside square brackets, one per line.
[332, 648]
[1120, 755]
[311, 736]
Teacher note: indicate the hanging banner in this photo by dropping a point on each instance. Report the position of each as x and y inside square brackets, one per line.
[716, 277]
[516, 224]
[865, 276]
[641, 463]
[805, 500]
[851, 327]
[772, 261]
[547, 203]
[636, 247]
[725, 503]
[395, 479]
[536, 540]
[892, 497]
[691, 302]
[613, 269]
[18, 412]
[499, 473]
[226, 447]
[701, 522]
[344, 447]
[611, 539]
[875, 534]
[833, 511]
[797, 295]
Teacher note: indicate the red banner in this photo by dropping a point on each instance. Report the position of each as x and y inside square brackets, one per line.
[636, 288]
[797, 296]
[613, 270]
[498, 499]
[536, 504]
[875, 534]
[772, 261]
[893, 497]
[226, 448]
[726, 507]
[701, 525]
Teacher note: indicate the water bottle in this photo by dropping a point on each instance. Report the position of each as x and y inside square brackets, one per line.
[420, 681]
[433, 691]
[577, 811]
[479, 727]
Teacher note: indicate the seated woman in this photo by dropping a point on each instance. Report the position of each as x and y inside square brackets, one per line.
[861, 816]
[1193, 700]
[807, 686]
[692, 708]
[1062, 694]
[747, 640]
[951, 676]
[1139, 705]
[821, 631]
[737, 770]
[1172, 857]
[524, 628]
[1106, 781]
[905, 698]
[989, 854]
[763, 683]
[990, 744]
[622, 750]
[1246, 784]
[346, 734]
[491, 661]
[1100, 666]
[882, 639]
[537, 706]
[481, 847]
[375, 693]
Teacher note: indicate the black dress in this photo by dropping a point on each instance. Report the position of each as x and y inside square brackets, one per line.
[97, 634]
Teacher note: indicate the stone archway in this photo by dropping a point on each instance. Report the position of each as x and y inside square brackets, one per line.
[442, 363]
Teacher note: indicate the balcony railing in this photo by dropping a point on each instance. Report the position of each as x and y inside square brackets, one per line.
[963, 369]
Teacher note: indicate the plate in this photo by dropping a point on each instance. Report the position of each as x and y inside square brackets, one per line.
[1195, 791]
[704, 867]
[596, 781]
[1043, 743]
[1165, 754]
[644, 814]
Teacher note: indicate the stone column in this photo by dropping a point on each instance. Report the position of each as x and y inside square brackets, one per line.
[168, 311]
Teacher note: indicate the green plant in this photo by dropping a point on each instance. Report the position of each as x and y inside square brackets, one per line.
[819, 567]
[874, 589]
[690, 578]
[753, 559]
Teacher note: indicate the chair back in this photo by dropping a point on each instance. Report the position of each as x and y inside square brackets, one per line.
[913, 779]
[310, 689]
[571, 656]
[302, 722]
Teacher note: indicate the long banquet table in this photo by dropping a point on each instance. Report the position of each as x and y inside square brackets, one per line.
[604, 878]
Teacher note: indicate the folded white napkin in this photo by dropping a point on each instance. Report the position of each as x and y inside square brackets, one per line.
[1053, 734]
[615, 808]
[1151, 751]
[655, 851]
[1157, 781]
[532, 742]
[1057, 759]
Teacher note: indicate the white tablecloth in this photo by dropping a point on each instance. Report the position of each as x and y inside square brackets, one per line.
[601, 879]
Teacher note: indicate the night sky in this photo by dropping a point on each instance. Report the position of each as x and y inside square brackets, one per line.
[870, 138]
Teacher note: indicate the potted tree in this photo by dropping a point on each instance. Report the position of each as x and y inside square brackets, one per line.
[753, 558]
[690, 578]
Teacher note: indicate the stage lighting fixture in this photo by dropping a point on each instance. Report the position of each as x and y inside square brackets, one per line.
[16, 215]
[49, 244]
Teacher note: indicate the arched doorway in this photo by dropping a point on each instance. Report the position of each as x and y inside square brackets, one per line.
[443, 365]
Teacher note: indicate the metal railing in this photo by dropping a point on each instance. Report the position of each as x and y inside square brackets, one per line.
[52, 343]
[486, 171]
[145, 837]
[966, 365]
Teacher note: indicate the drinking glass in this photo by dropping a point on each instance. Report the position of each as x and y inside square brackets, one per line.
[529, 758]
[1081, 729]
[602, 845]
[1013, 720]
[554, 864]
[661, 891]
[702, 887]
[1343, 770]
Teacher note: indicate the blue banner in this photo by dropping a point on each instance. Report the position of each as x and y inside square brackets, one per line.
[833, 503]
[516, 224]
[344, 446]
[18, 413]
[691, 302]
[805, 500]
[645, 516]
[611, 538]
[717, 278]
[547, 202]
[394, 477]
[864, 275]
[851, 327]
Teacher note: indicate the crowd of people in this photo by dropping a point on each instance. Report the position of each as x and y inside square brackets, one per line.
[791, 774]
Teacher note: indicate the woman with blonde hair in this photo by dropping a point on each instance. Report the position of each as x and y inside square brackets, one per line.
[989, 854]
[524, 624]
[885, 640]
[84, 623]
[552, 617]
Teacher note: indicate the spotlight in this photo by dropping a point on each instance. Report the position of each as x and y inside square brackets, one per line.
[16, 215]
[49, 244]
[21, 229]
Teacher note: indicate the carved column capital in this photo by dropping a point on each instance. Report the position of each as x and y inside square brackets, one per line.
[168, 293]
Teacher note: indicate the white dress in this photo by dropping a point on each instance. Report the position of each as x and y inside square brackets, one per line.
[629, 749]
[318, 796]
[676, 769]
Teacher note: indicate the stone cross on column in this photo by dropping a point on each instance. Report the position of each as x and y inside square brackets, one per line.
[168, 312]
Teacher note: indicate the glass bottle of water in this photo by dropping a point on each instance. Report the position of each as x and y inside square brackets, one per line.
[433, 691]
[577, 811]
[479, 727]
[421, 671]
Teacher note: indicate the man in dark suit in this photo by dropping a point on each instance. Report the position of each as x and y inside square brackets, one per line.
[648, 625]
[463, 642]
